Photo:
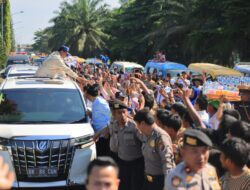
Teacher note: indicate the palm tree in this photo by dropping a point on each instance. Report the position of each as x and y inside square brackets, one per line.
[80, 25]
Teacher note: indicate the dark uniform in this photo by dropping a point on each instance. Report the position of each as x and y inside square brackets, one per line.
[159, 160]
[125, 141]
[182, 177]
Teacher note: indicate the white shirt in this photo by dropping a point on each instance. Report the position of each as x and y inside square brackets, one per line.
[180, 81]
[204, 116]
[214, 122]
[159, 97]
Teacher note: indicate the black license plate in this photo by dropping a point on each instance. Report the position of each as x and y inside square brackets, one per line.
[42, 172]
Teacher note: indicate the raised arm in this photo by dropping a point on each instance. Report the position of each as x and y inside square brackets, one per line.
[185, 94]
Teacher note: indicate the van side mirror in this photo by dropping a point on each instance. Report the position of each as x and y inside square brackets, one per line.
[3, 75]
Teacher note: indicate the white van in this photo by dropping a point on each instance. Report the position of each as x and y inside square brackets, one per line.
[45, 136]
[126, 67]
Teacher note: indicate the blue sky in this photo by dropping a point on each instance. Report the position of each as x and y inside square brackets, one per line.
[37, 14]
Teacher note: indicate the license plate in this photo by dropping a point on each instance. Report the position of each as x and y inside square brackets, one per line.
[42, 172]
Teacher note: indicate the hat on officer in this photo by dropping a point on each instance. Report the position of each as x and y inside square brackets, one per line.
[64, 48]
[194, 137]
[117, 104]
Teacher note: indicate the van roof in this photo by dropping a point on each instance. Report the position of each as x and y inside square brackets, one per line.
[168, 65]
[128, 64]
[32, 82]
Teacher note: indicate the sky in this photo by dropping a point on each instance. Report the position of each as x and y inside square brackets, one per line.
[36, 15]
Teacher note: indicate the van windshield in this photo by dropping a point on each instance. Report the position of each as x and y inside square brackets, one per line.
[28, 106]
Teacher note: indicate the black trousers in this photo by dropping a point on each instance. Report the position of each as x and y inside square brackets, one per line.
[154, 182]
[131, 174]
[102, 147]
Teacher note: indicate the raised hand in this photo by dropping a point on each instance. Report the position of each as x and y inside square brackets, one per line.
[6, 177]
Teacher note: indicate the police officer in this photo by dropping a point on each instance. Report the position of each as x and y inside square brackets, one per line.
[156, 149]
[194, 172]
[125, 140]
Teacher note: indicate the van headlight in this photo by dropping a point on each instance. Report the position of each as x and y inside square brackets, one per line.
[84, 141]
[4, 144]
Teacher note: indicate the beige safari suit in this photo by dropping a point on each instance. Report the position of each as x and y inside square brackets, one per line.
[53, 66]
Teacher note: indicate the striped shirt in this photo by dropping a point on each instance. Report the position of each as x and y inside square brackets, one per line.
[241, 182]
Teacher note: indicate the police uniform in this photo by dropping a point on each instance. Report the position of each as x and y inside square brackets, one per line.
[126, 141]
[113, 129]
[182, 177]
[159, 160]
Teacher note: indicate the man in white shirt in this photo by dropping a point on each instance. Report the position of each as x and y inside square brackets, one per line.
[183, 80]
[201, 108]
[161, 96]
[212, 108]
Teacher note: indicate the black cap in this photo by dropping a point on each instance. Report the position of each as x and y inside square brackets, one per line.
[117, 104]
[197, 79]
[63, 48]
[194, 137]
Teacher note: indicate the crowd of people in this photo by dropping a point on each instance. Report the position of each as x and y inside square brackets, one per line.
[163, 133]
[159, 133]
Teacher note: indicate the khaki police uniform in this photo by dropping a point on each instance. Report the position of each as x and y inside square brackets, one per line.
[182, 177]
[113, 131]
[113, 145]
[159, 160]
[125, 141]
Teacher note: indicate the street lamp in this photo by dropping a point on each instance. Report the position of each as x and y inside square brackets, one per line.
[16, 13]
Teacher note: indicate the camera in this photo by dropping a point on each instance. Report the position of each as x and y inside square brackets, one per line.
[176, 91]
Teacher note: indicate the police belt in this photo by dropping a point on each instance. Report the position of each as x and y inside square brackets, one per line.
[136, 161]
[152, 178]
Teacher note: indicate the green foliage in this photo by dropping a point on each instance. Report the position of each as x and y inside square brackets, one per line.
[13, 43]
[4, 51]
[188, 30]
[41, 41]
[78, 25]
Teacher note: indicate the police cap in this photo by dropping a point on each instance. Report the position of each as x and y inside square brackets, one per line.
[194, 137]
[117, 104]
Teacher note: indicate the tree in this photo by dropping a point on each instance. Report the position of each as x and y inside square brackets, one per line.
[41, 41]
[7, 33]
[13, 43]
[80, 25]
[130, 24]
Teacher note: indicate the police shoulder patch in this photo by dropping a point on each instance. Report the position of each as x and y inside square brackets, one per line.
[152, 143]
[160, 144]
[189, 178]
[176, 181]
